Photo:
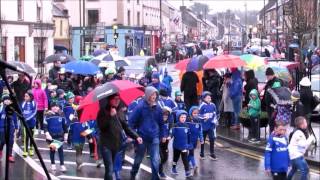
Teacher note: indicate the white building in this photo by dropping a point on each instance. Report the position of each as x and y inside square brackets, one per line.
[25, 26]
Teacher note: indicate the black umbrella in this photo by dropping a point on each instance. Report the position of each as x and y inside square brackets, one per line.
[22, 66]
[59, 57]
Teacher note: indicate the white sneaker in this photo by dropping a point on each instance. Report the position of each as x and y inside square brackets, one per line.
[53, 167]
[63, 168]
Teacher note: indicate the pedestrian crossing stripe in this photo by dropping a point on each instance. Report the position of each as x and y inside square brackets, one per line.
[77, 177]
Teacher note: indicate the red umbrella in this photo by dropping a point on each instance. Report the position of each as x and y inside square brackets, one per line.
[182, 65]
[224, 61]
[89, 106]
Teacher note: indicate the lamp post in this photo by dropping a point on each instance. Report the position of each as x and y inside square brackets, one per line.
[115, 34]
[260, 31]
[250, 34]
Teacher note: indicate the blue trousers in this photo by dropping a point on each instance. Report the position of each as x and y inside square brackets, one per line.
[301, 165]
[108, 157]
[152, 147]
[236, 103]
[60, 150]
[3, 140]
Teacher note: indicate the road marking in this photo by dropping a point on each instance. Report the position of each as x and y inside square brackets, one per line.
[77, 177]
[34, 165]
[41, 139]
[64, 150]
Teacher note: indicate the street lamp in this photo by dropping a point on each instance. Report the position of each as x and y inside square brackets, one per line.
[115, 34]
[250, 33]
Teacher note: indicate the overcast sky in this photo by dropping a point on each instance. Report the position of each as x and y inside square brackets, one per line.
[222, 5]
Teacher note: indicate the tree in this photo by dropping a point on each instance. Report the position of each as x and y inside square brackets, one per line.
[199, 8]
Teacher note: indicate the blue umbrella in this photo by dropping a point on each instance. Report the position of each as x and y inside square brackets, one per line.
[81, 67]
[193, 64]
[99, 52]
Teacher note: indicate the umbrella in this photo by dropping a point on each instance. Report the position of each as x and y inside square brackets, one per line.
[59, 57]
[60, 48]
[111, 60]
[253, 61]
[202, 60]
[81, 67]
[224, 61]
[193, 64]
[99, 52]
[128, 91]
[182, 65]
[86, 57]
[22, 66]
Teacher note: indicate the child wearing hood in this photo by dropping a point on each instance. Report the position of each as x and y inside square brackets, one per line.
[208, 121]
[3, 123]
[254, 109]
[195, 134]
[29, 111]
[178, 100]
[41, 100]
[61, 99]
[181, 135]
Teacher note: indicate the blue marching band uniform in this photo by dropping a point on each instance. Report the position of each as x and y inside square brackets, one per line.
[29, 111]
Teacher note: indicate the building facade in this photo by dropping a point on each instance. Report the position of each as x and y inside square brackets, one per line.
[61, 26]
[26, 31]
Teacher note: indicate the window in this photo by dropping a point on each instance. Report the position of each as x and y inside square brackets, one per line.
[128, 17]
[3, 52]
[38, 13]
[61, 28]
[93, 17]
[20, 10]
[138, 18]
[19, 49]
[39, 50]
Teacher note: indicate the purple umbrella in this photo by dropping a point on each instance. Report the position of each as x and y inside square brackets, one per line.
[193, 64]
[99, 52]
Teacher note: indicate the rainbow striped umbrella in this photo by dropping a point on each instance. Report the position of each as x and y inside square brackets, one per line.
[253, 61]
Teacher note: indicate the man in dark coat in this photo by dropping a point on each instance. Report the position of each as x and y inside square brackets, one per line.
[212, 82]
[54, 71]
[189, 88]
[251, 83]
[297, 107]
[63, 82]
[20, 87]
[306, 96]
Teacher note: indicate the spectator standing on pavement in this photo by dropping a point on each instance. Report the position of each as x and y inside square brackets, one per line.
[20, 87]
[208, 115]
[181, 136]
[300, 140]
[121, 72]
[29, 111]
[297, 107]
[56, 132]
[235, 92]
[267, 100]
[113, 129]
[40, 97]
[251, 83]
[63, 82]
[276, 158]
[226, 106]
[306, 97]
[212, 82]
[189, 88]
[54, 71]
[254, 109]
[147, 118]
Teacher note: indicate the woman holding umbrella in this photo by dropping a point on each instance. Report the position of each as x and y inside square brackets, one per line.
[113, 130]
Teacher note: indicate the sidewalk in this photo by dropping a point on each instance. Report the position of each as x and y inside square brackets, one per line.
[239, 138]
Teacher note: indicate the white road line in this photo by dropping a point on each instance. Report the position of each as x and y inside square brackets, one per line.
[41, 139]
[77, 177]
[64, 150]
[32, 162]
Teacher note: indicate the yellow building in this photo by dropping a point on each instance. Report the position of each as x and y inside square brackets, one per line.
[60, 20]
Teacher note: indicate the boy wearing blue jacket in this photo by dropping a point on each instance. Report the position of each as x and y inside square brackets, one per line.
[69, 111]
[276, 158]
[208, 122]
[29, 111]
[61, 100]
[195, 134]
[77, 138]
[181, 136]
[178, 100]
[164, 151]
[55, 128]
[3, 125]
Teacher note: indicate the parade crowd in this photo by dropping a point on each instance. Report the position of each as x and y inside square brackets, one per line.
[153, 120]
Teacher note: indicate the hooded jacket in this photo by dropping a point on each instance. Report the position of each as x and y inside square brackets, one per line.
[189, 84]
[181, 134]
[195, 128]
[255, 104]
[235, 89]
[76, 128]
[208, 114]
[251, 83]
[68, 110]
[55, 124]
[40, 96]
[29, 110]
[3, 121]
[306, 98]
[146, 118]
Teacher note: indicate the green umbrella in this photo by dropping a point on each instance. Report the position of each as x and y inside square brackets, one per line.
[86, 57]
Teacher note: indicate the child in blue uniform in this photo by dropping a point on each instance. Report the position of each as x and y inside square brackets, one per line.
[55, 128]
[165, 100]
[195, 134]
[208, 122]
[61, 100]
[181, 134]
[276, 158]
[3, 125]
[178, 100]
[164, 151]
[29, 110]
[69, 112]
[77, 138]
[52, 96]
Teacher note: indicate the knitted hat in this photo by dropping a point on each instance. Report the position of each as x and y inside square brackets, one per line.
[295, 95]
[205, 94]
[5, 96]
[60, 91]
[269, 71]
[178, 93]
[163, 92]
[305, 82]
[62, 71]
[69, 95]
[110, 71]
[54, 103]
[155, 75]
